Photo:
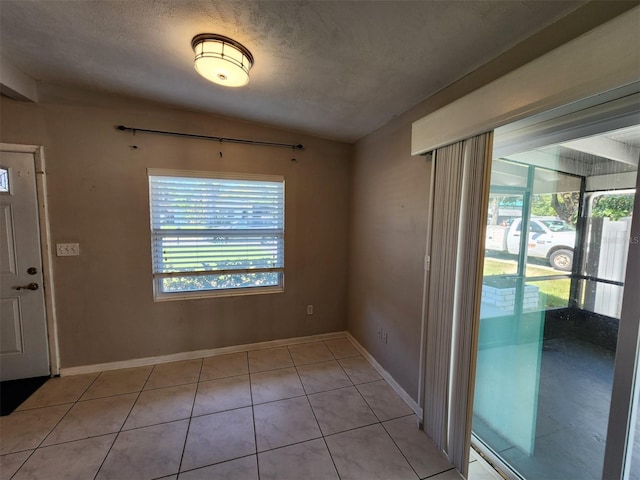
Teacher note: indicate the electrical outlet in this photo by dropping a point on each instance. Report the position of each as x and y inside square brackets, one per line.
[67, 249]
[385, 337]
[309, 309]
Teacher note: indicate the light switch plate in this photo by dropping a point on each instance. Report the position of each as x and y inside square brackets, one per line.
[67, 249]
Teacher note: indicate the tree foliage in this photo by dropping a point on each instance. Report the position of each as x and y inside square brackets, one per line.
[562, 205]
[541, 206]
[613, 207]
[565, 206]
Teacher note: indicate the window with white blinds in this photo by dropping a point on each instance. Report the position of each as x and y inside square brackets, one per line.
[216, 234]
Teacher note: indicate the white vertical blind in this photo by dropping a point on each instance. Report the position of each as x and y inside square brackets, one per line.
[442, 282]
[459, 214]
[468, 293]
[216, 224]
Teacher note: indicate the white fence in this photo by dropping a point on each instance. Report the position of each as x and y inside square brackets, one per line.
[612, 261]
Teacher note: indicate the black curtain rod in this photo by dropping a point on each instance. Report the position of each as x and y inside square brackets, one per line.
[124, 128]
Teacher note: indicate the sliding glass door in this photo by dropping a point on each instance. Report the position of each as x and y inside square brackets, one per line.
[556, 244]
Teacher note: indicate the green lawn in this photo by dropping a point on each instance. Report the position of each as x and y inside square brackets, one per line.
[556, 292]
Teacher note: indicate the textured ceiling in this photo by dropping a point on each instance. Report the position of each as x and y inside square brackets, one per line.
[337, 69]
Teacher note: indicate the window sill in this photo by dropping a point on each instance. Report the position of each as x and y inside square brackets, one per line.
[168, 297]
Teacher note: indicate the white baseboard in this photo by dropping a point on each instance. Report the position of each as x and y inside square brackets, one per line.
[387, 376]
[174, 357]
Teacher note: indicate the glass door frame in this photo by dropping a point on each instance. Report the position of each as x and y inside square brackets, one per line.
[520, 276]
[613, 113]
[527, 191]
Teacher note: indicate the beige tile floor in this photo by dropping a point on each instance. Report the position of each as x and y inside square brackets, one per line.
[309, 411]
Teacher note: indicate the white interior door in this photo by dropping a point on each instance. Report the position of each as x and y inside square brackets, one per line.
[24, 349]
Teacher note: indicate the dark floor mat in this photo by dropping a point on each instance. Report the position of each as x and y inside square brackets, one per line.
[14, 392]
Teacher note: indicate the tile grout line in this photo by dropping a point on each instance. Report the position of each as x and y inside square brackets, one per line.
[168, 386]
[370, 406]
[124, 422]
[204, 415]
[398, 446]
[353, 385]
[253, 417]
[193, 404]
[301, 382]
[315, 363]
[345, 372]
[381, 420]
[64, 416]
[75, 402]
[351, 429]
[440, 473]
[336, 359]
[131, 409]
[61, 403]
[399, 449]
[214, 413]
[41, 441]
[306, 395]
[213, 464]
[23, 462]
[65, 442]
[89, 387]
[323, 437]
[31, 409]
[55, 426]
[334, 354]
[125, 393]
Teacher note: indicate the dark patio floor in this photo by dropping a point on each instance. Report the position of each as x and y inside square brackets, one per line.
[573, 409]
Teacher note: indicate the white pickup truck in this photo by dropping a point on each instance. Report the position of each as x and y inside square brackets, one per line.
[549, 238]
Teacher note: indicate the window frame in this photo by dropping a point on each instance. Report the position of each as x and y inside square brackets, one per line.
[159, 295]
[7, 175]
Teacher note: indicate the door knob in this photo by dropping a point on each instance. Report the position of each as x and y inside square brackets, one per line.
[31, 286]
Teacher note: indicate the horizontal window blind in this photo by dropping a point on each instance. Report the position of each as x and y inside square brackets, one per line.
[204, 225]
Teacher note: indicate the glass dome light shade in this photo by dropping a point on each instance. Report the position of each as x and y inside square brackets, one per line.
[222, 60]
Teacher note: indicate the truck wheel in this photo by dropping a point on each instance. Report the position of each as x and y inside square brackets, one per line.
[562, 259]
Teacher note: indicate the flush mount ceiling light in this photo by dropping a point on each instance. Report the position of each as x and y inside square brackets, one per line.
[222, 60]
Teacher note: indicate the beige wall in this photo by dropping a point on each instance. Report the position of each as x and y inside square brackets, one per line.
[98, 196]
[388, 238]
[389, 194]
